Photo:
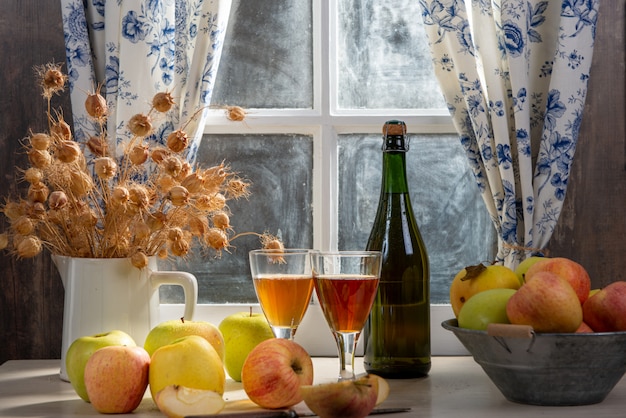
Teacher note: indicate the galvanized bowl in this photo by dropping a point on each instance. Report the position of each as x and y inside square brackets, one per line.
[547, 369]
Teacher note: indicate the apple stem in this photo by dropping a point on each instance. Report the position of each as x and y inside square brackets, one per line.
[182, 319]
[250, 311]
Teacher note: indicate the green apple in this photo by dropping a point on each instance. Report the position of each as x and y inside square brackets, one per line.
[242, 332]
[82, 348]
[484, 308]
[523, 267]
[168, 331]
[190, 362]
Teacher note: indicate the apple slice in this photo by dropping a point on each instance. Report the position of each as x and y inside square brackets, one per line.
[347, 399]
[180, 401]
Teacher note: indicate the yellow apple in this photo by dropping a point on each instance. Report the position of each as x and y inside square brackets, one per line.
[547, 303]
[82, 348]
[475, 279]
[274, 371]
[523, 267]
[180, 401]
[116, 378]
[189, 361]
[346, 399]
[242, 332]
[168, 331]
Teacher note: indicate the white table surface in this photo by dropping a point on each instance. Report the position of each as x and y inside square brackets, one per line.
[456, 387]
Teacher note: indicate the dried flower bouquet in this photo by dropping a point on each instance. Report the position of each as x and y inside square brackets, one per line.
[150, 201]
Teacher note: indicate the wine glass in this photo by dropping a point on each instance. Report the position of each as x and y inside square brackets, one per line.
[283, 283]
[346, 283]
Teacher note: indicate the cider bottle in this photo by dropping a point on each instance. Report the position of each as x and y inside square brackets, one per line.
[397, 332]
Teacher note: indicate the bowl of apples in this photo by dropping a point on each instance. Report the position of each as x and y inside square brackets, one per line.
[552, 341]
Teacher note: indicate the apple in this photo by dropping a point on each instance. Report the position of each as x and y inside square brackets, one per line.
[346, 399]
[547, 303]
[274, 371]
[523, 267]
[168, 331]
[475, 279]
[242, 332]
[82, 348]
[605, 311]
[584, 328]
[484, 308]
[189, 361]
[574, 273]
[180, 401]
[116, 378]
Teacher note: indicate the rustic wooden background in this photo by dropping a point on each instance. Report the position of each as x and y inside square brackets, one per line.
[591, 230]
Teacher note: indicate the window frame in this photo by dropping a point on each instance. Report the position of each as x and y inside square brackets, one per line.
[324, 122]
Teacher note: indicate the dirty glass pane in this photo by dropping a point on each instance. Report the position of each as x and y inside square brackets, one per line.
[450, 213]
[267, 60]
[280, 168]
[383, 60]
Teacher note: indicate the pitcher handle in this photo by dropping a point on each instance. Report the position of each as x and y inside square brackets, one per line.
[186, 280]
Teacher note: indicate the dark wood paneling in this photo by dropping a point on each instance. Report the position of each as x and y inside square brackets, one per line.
[591, 230]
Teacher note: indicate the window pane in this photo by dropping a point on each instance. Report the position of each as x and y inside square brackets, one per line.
[451, 215]
[267, 57]
[383, 60]
[280, 169]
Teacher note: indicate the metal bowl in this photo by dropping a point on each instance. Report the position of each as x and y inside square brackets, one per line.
[547, 368]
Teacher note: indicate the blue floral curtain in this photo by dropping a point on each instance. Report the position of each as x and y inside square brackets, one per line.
[131, 50]
[514, 75]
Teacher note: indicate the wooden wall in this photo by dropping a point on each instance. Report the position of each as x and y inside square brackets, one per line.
[591, 230]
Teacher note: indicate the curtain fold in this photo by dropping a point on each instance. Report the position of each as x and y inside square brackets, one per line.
[514, 75]
[132, 50]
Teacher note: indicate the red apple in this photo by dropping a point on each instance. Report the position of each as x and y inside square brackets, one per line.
[274, 371]
[346, 399]
[606, 309]
[116, 378]
[547, 303]
[584, 328]
[574, 273]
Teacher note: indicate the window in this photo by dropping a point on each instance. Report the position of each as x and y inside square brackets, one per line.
[319, 79]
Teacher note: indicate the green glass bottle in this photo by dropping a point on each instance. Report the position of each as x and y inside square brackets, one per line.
[397, 333]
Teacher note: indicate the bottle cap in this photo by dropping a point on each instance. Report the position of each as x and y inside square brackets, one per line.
[394, 136]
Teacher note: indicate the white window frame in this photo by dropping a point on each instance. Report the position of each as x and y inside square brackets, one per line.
[324, 123]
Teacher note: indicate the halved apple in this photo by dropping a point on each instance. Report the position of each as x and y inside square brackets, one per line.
[180, 401]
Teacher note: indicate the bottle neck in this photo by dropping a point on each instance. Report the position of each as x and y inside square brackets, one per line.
[394, 172]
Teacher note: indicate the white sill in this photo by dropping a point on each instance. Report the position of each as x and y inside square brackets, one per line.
[313, 333]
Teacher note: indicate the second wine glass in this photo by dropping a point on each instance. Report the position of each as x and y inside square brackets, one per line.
[346, 283]
[283, 282]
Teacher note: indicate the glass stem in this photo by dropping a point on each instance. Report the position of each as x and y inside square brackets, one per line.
[346, 342]
[284, 332]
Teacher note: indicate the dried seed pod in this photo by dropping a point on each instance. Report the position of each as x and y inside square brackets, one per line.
[38, 192]
[194, 182]
[235, 113]
[28, 246]
[98, 146]
[185, 170]
[238, 188]
[156, 221]
[39, 158]
[180, 248]
[140, 231]
[172, 165]
[139, 154]
[159, 154]
[52, 79]
[210, 203]
[175, 234]
[165, 182]
[56, 216]
[221, 220]
[179, 196]
[139, 197]
[61, 130]
[37, 211]
[13, 210]
[33, 175]
[57, 199]
[177, 140]
[139, 259]
[162, 102]
[162, 253]
[96, 105]
[270, 242]
[216, 239]
[40, 141]
[81, 183]
[67, 151]
[105, 168]
[23, 225]
[140, 124]
[119, 196]
[198, 225]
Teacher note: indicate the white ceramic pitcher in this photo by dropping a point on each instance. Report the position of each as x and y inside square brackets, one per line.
[105, 294]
